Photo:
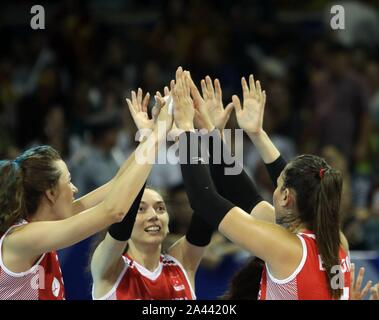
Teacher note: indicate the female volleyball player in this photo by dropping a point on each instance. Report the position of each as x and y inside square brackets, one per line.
[245, 284]
[129, 264]
[306, 260]
[38, 214]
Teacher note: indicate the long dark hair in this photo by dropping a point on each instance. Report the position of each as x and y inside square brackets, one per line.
[23, 182]
[245, 283]
[318, 190]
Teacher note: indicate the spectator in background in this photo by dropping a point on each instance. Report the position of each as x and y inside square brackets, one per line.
[55, 133]
[97, 163]
[340, 106]
[32, 109]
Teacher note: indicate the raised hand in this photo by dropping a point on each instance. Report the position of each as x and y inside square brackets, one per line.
[355, 286]
[163, 114]
[183, 105]
[174, 132]
[160, 101]
[202, 118]
[213, 103]
[138, 109]
[250, 117]
[209, 109]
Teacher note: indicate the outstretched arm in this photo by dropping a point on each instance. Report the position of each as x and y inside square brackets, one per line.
[250, 118]
[209, 105]
[106, 262]
[281, 249]
[36, 238]
[138, 109]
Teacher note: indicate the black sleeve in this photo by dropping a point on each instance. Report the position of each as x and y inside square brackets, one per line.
[237, 188]
[201, 191]
[199, 232]
[122, 231]
[275, 168]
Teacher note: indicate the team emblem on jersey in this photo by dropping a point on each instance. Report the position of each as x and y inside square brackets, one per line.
[177, 285]
[56, 287]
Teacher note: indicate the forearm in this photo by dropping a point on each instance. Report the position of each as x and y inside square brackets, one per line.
[92, 199]
[106, 256]
[246, 195]
[122, 230]
[108, 253]
[96, 196]
[37, 238]
[272, 243]
[267, 150]
[199, 232]
[270, 155]
[200, 189]
[125, 166]
[125, 189]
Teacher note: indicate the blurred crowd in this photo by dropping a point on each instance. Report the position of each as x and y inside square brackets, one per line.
[66, 86]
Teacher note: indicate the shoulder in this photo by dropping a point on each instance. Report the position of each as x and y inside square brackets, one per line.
[11, 236]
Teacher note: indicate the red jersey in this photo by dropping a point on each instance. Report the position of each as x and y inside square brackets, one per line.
[169, 281]
[309, 280]
[43, 281]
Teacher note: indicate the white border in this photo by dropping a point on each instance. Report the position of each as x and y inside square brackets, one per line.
[297, 270]
[32, 269]
[151, 275]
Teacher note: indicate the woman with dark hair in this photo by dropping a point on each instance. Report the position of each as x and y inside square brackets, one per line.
[128, 262]
[306, 259]
[38, 214]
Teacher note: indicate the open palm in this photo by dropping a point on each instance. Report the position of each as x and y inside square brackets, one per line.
[209, 107]
[250, 116]
[183, 105]
[213, 103]
[138, 110]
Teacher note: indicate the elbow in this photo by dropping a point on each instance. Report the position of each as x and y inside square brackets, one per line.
[113, 211]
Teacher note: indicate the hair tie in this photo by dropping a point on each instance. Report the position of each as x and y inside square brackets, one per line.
[322, 171]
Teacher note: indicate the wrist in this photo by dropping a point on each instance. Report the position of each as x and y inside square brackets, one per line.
[256, 134]
[186, 127]
[159, 135]
[209, 127]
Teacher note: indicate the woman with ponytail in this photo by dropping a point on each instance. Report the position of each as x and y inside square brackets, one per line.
[39, 215]
[307, 256]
